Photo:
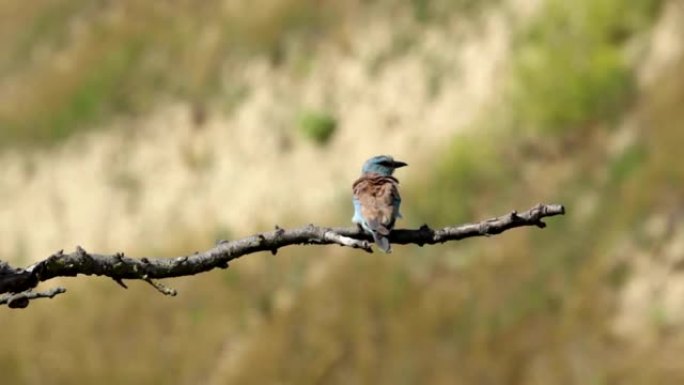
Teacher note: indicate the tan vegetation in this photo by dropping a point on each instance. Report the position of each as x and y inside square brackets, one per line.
[594, 298]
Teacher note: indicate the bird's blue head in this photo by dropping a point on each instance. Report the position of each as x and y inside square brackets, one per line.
[382, 164]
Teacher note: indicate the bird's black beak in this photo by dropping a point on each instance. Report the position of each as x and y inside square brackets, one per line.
[397, 164]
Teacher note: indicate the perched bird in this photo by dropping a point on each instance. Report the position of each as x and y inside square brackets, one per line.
[376, 198]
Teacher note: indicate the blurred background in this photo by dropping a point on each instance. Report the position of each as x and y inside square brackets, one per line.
[156, 128]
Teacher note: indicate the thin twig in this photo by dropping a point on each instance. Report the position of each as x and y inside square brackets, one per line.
[21, 300]
[161, 287]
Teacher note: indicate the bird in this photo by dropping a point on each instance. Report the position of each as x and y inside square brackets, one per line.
[376, 198]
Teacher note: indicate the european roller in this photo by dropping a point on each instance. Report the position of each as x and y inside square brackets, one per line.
[376, 198]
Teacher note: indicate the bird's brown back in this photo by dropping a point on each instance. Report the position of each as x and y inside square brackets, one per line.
[377, 195]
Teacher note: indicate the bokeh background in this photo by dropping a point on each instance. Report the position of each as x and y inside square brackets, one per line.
[158, 127]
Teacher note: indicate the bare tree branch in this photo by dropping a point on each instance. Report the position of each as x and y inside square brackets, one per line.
[21, 300]
[20, 282]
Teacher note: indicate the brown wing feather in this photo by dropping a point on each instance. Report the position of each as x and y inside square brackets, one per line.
[376, 193]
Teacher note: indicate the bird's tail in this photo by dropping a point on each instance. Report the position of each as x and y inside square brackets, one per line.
[380, 234]
[382, 242]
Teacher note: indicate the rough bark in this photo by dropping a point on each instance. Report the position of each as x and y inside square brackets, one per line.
[17, 283]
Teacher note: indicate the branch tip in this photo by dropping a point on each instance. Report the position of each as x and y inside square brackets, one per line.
[21, 300]
[81, 252]
[120, 282]
[161, 287]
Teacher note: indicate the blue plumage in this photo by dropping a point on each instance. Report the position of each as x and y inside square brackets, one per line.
[376, 198]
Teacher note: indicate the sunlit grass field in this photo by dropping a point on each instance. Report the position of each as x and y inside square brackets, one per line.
[69, 65]
[529, 306]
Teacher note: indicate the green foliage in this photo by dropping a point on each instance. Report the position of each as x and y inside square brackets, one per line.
[464, 178]
[628, 162]
[122, 65]
[570, 65]
[317, 126]
[425, 11]
[101, 90]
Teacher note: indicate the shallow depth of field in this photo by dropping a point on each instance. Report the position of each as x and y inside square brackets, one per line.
[157, 128]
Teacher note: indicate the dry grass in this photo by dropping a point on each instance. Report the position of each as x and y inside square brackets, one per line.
[68, 64]
[524, 308]
[527, 307]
